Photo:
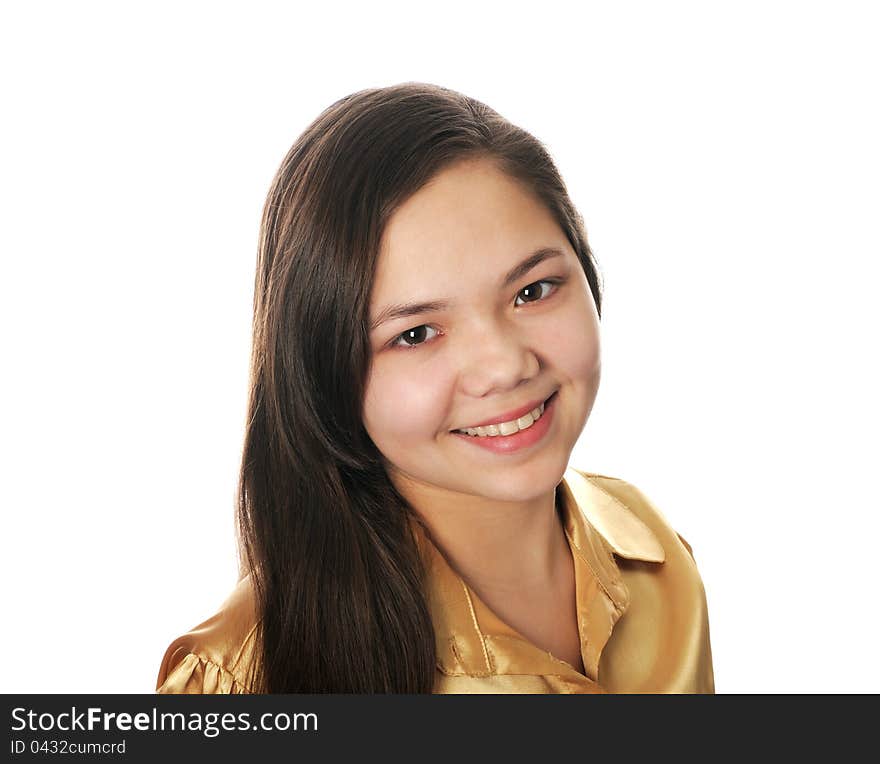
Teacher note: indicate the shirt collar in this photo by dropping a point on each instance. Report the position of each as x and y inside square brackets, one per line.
[473, 641]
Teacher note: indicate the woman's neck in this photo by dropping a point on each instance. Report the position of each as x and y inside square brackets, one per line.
[501, 548]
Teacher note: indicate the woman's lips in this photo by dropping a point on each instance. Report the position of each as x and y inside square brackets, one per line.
[520, 440]
[509, 416]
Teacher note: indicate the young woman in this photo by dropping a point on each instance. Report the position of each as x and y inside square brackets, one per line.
[425, 356]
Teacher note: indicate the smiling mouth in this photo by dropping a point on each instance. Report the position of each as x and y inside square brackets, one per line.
[507, 428]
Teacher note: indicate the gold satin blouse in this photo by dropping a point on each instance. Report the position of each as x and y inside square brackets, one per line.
[641, 605]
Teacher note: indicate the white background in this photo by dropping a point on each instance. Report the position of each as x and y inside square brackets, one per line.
[725, 159]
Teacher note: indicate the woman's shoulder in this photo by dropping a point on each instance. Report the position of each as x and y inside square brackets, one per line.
[216, 656]
[623, 510]
[665, 600]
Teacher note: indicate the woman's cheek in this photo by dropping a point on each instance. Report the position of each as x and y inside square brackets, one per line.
[571, 343]
[404, 404]
[585, 357]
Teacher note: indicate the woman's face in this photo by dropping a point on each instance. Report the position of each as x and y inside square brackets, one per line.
[492, 348]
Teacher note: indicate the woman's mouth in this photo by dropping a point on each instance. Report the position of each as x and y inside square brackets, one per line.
[515, 434]
[507, 428]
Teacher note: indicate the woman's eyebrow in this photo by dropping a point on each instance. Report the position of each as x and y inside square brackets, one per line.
[402, 310]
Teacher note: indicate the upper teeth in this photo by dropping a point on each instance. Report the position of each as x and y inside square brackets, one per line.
[507, 428]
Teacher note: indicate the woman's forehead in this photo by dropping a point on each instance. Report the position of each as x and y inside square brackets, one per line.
[469, 215]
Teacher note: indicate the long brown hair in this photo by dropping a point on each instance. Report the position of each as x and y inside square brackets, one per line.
[323, 533]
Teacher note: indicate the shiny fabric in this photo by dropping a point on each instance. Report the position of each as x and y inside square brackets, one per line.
[642, 614]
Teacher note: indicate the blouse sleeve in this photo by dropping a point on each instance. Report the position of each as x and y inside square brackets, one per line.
[187, 673]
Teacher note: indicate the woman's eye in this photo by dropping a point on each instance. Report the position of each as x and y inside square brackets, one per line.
[418, 335]
[410, 335]
[533, 290]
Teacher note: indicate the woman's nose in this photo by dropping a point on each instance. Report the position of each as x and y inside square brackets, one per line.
[495, 356]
